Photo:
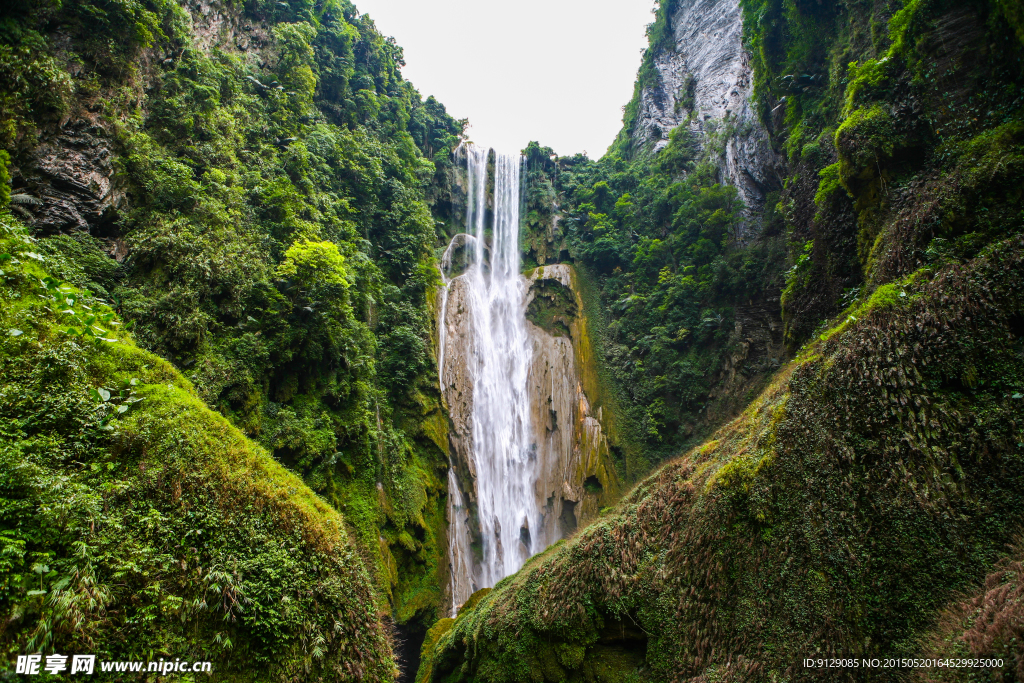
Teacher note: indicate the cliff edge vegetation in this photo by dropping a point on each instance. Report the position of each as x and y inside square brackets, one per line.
[254, 191]
[137, 524]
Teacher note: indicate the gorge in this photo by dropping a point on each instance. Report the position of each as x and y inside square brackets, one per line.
[298, 380]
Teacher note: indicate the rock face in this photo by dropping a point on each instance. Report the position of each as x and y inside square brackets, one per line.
[71, 169]
[457, 381]
[705, 82]
[576, 477]
[575, 474]
[73, 174]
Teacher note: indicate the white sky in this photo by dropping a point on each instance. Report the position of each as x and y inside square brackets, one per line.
[555, 71]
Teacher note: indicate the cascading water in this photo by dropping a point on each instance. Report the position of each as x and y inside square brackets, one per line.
[498, 362]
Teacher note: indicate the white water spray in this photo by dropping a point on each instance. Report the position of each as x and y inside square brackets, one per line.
[499, 361]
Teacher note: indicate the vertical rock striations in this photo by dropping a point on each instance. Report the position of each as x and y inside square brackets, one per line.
[703, 80]
[575, 475]
[569, 447]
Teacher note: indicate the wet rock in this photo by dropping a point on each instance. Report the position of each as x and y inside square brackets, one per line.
[571, 443]
[569, 439]
[457, 383]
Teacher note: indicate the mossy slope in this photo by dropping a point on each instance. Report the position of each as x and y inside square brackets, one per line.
[880, 473]
[159, 530]
[270, 186]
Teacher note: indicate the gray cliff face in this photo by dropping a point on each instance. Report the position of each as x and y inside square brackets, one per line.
[72, 173]
[457, 384]
[706, 83]
[72, 169]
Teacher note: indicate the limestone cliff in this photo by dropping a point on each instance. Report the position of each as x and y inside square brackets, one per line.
[570, 425]
[456, 379]
[577, 477]
[703, 80]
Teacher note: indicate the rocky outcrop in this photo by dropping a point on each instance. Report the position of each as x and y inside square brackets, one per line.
[570, 427]
[71, 169]
[72, 173]
[576, 477]
[705, 82]
[457, 381]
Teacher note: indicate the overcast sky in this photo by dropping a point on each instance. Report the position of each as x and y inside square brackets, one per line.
[555, 71]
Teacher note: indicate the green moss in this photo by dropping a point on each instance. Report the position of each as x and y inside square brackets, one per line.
[830, 184]
[553, 307]
[795, 141]
[883, 298]
[864, 138]
[146, 519]
[474, 600]
[864, 78]
[434, 634]
[280, 204]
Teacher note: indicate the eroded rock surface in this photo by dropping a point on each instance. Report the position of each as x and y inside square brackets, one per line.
[575, 472]
[706, 82]
[457, 382]
[576, 477]
[73, 174]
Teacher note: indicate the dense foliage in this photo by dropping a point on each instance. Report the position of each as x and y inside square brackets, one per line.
[275, 187]
[658, 239]
[902, 126]
[135, 523]
[278, 199]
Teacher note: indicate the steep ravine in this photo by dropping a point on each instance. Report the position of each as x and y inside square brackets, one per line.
[800, 527]
[773, 396]
[865, 503]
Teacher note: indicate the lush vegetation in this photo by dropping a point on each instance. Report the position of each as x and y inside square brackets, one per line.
[136, 523]
[277, 191]
[902, 150]
[881, 472]
[657, 240]
[221, 432]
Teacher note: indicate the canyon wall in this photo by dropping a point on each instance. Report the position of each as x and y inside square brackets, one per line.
[704, 81]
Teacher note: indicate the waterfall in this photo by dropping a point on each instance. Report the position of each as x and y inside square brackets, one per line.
[501, 537]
